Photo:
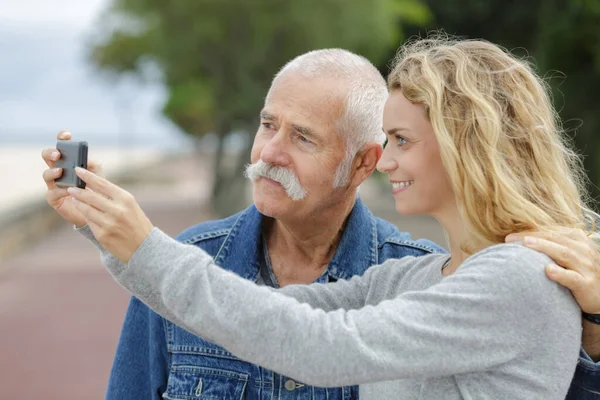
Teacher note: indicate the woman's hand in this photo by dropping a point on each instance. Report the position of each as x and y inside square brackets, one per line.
[58, 197]
[116, 219]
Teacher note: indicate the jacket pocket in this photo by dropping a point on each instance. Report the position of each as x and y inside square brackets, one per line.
[200, 383]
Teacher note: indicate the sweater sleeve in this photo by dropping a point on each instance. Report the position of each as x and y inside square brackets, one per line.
[343, 294]
[470, 321]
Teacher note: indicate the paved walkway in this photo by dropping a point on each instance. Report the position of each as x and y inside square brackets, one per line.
[60, 311]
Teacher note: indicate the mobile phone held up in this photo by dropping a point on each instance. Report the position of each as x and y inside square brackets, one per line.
[72, 154]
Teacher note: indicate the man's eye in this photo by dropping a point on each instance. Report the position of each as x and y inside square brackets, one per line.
[302, 139]
[267, 125]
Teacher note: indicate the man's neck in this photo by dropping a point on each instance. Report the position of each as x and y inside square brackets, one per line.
[301, 250]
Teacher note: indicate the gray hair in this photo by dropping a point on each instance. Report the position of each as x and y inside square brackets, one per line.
[362, 120]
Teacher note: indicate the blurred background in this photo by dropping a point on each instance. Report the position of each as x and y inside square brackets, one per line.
[167, 94]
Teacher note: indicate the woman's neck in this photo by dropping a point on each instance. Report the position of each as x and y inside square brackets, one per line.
[454, 226]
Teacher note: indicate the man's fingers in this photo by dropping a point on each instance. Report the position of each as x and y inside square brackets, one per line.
[569, 240]
[561, 235]
[91, 198]
[570, 279]
[99, 184]
[562, 255]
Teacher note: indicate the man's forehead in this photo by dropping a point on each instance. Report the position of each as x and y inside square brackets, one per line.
[319, 87]
[309, 98]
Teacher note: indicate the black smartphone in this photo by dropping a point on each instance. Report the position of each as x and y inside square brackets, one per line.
[72, 154]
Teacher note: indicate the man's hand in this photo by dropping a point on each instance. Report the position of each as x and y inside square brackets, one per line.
[578, 269]
[113, 215]
[58, 198]
[578, 260]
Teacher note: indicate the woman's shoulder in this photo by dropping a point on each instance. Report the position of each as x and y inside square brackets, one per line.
[517, 266]
[515, 275]
[510, 255]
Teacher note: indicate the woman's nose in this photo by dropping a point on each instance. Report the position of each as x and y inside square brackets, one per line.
[386, 163]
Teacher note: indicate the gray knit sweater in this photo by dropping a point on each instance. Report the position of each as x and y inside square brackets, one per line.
[495, 329]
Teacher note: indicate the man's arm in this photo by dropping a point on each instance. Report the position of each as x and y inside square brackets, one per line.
[590, 340]
[141, 363]
[586, 382]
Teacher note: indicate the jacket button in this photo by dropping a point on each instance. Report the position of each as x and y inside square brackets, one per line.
[289, 385]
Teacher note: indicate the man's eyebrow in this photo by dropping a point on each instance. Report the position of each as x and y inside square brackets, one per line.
[304, 130]
[266, 115]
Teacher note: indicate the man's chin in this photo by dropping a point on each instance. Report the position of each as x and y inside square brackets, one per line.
[273, 206]
[273, 210]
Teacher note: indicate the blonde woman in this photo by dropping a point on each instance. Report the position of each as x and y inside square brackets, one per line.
[473, 141]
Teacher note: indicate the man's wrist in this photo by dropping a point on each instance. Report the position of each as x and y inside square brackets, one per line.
[593, 318]
[590, 339]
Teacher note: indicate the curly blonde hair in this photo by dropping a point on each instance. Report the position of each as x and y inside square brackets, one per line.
[500, 138]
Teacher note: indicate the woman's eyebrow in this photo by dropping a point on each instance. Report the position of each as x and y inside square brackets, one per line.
[393, 131]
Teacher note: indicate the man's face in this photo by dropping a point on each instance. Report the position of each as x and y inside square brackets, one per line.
[297, 134]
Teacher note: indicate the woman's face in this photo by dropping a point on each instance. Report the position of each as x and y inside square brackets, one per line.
[411, 158]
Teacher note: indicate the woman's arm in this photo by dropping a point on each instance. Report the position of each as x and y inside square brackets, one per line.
[486, 315]
[343, 294]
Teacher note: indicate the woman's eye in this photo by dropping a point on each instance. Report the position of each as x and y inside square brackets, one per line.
[385, 143]
[401, 141]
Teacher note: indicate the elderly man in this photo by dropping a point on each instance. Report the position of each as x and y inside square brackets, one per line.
[319, 139]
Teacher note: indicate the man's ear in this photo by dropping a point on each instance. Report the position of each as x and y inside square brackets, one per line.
[365, 162]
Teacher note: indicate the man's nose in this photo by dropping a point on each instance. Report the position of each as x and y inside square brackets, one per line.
[276, 150]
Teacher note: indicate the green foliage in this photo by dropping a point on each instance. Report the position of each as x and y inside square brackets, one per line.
[561, 37]
[218, 57]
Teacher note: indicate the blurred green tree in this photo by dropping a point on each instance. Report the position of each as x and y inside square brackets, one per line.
[561, 37]
[217, 58]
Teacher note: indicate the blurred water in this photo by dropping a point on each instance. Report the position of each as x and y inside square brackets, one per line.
[47, 83]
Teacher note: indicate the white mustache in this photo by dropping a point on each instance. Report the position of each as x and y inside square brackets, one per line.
[282, 175]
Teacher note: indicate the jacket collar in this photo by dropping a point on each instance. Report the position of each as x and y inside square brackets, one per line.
[241, 251]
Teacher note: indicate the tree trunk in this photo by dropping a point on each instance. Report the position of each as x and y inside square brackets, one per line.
[229, 194]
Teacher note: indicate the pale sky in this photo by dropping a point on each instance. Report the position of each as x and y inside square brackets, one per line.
[47, 85]
[77, 14]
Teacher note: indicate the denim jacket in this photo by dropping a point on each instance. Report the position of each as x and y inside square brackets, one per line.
[157, 359]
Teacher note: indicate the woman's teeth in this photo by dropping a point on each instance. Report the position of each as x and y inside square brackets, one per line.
[400, 185]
